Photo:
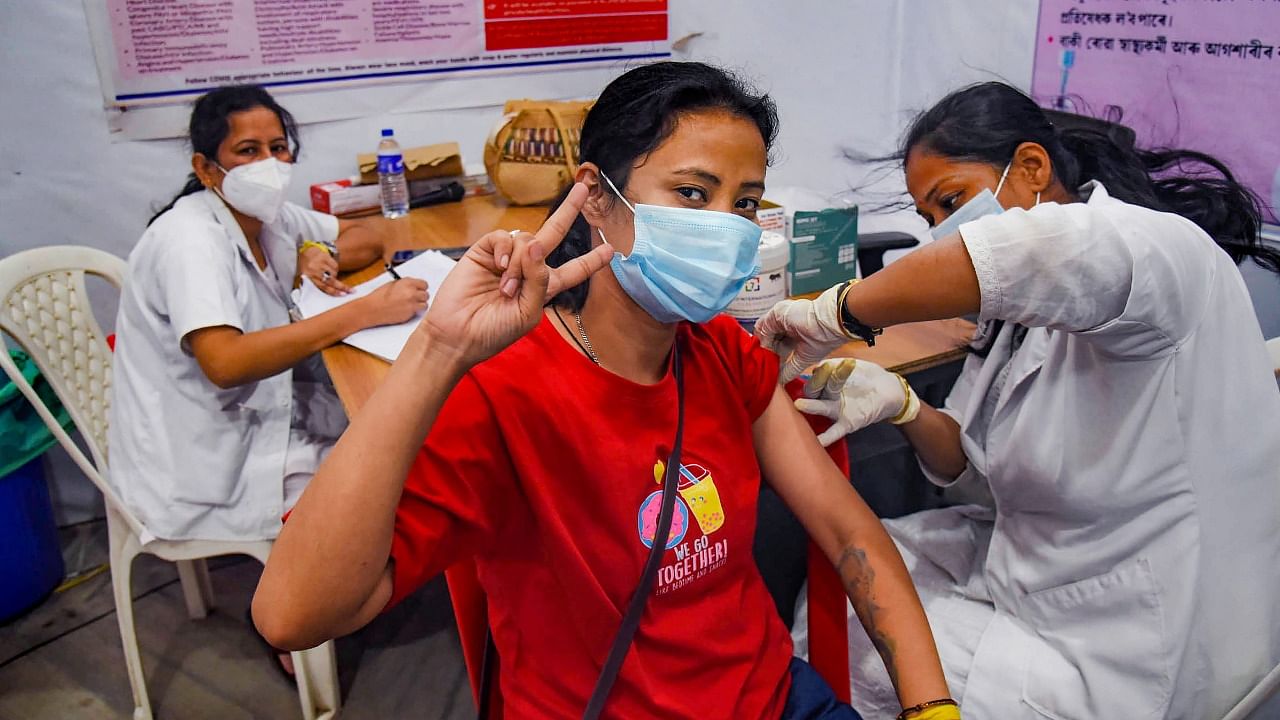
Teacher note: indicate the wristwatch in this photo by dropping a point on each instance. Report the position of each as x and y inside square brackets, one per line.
[852, 325]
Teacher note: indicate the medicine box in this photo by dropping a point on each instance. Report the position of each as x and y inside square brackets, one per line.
[824, 248]
[341, 197]
[772, 217]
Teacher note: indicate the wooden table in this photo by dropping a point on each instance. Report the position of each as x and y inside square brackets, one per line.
[356, 374]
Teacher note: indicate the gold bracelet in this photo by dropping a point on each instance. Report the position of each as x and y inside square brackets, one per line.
[911, 712]
[840, 311]
[910, 408]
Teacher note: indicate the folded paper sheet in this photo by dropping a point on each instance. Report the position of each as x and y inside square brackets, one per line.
[385, 341]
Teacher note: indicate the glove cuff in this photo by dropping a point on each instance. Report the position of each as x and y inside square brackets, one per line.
[910, 405]
[851, 326]
[827, 309]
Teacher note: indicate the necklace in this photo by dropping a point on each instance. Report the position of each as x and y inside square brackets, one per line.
[586, 341]
[586, 349]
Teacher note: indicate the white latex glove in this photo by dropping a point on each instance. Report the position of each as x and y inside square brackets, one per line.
[855, 394]
[802, 332]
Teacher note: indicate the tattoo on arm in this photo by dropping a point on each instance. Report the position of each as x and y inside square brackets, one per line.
[859, 577]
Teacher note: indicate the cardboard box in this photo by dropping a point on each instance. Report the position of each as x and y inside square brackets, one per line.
[420, 163]
[824, 248]
[341, 197]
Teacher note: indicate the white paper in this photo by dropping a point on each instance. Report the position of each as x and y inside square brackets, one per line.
[385, 341]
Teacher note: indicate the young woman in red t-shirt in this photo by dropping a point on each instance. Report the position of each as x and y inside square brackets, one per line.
[545, 463]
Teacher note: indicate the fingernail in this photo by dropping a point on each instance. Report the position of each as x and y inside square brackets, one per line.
[503, 261]
[509, 287]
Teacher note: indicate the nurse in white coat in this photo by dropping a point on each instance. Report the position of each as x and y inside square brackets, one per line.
[221, 411]
[1119, 408]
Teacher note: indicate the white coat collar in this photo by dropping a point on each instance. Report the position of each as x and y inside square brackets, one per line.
[229, 225]
[279, 285]
[1095, 193]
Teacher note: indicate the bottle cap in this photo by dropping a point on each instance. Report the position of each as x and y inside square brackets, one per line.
[386, 132]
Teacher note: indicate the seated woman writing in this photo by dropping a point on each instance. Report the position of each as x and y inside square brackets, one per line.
[547, 463]
[221, 410]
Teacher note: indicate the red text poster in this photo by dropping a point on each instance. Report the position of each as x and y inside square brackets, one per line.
[161, 50]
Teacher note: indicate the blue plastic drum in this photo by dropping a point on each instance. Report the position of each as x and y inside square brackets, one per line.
[30, 555]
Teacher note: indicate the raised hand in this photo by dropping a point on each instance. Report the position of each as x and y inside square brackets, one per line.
[496, 293]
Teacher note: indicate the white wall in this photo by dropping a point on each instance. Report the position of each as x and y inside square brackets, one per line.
[846, 74]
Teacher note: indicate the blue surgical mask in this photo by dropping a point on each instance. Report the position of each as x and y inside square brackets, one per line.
[980, 205]
[686, 264]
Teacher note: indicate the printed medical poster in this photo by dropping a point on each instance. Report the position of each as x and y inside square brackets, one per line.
[1196, 74]
[167, 51]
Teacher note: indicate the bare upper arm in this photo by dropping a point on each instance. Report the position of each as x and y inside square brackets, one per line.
[210, 346]
[802, 473]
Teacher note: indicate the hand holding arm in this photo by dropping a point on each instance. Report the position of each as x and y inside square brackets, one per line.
[855, 394]
[802, 332]
[934, 282]
[858, 393]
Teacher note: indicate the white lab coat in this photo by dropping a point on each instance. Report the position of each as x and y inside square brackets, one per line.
[190, 459]
[1130, 567]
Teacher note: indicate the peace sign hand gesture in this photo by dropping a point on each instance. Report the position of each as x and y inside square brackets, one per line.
[497, 291]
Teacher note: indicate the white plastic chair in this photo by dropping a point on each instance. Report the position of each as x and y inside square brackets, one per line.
[1273, 347]
[1253, 701]
[46, 311]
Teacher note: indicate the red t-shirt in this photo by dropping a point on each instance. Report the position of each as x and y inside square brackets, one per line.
[545, 468]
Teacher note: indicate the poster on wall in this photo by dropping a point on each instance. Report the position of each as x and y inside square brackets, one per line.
[156, 52]
[1196, 74]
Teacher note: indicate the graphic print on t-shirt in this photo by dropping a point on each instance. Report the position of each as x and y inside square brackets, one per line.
[647, 520]
[700, 499]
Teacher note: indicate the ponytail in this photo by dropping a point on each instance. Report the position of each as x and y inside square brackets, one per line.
[988, 121]
[193, 186]
[1192, 184]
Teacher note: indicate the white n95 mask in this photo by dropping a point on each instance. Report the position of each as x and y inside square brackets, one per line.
[257, 188]
[980, 205]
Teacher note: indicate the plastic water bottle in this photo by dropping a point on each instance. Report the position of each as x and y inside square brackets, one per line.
[394, 189]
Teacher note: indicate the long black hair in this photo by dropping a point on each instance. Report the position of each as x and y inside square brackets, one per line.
[209, 126]
[634, 115]
[988, 121]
